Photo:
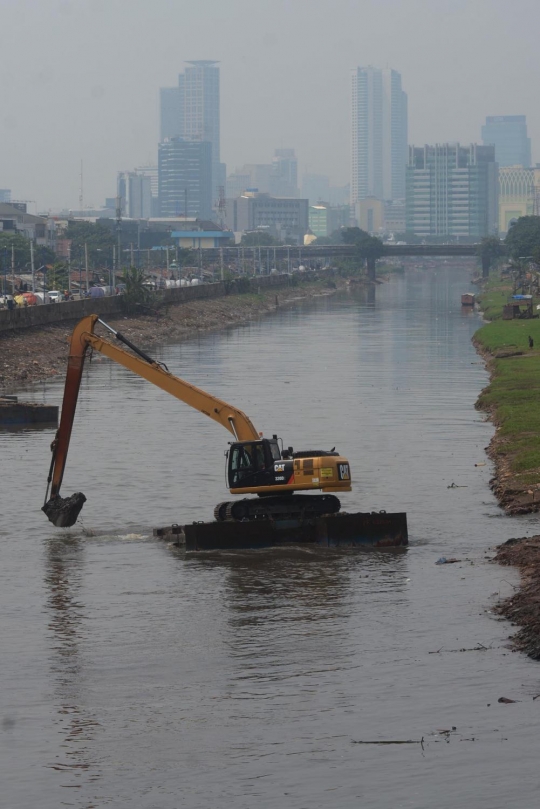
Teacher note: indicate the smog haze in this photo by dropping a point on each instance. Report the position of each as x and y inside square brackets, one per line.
[81, 79]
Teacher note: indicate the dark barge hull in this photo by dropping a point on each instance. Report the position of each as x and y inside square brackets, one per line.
[362, 529]
[15, 413]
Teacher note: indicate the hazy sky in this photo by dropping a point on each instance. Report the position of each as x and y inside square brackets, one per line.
[81, 78]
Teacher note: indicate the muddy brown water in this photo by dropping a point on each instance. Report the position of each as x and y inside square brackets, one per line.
[133, 675]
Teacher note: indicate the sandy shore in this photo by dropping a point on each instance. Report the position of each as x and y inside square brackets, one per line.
[31, 355]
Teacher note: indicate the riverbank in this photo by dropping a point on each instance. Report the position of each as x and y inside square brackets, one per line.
[34, 354]
[523, 608]
[512, 400]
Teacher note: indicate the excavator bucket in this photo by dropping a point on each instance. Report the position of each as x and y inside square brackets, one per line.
[64, 511]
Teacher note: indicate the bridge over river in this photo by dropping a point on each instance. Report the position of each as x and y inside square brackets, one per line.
[313, 253]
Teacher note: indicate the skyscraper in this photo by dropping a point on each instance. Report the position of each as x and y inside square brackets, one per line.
[191, 111]
[185, 170]
[379, 134]
[285, 173]
[171, 104]
[135, 192]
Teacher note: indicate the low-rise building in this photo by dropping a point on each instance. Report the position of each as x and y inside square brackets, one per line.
[324, 219]
[14, 218]
[519, 194]
[286, 219]
[369, 214]
[203, 239]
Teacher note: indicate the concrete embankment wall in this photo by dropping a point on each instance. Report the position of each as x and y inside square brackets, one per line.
[22, 318]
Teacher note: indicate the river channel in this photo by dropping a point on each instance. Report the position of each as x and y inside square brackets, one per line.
[134, 675]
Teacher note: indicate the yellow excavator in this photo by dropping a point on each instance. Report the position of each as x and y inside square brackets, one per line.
[255, 465]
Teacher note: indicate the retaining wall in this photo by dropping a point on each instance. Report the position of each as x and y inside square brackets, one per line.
[22, 318]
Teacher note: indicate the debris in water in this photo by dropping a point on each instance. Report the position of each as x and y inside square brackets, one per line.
[63, 511]
[391, 741]
[507, 701]
[455, 486]
[442, 560]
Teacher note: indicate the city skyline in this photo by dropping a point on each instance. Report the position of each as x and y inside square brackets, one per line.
[106, 111]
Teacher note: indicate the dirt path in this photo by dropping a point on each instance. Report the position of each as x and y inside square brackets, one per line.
[31, 355]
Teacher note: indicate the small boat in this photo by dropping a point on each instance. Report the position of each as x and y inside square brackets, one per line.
[468, 299]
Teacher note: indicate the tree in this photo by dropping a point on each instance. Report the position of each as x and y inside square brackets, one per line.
[55, 276]
[21, 246]
[259, 238]
[136, 293]
[523, 238]
[490, 249]
[99, 241]
[369, 247]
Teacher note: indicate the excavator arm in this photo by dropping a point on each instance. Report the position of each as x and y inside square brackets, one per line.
[64, 512]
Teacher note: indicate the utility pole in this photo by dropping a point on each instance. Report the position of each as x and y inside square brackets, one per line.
[119, 231]
[86, 264]
[12, 268]
[81, 195]
[221, 261]
[32, 265]
[69, 270]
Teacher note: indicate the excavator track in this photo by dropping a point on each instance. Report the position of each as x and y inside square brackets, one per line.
[291, 507]
[220, 511]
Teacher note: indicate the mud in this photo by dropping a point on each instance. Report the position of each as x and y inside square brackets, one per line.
[523, 607]
[32, 355]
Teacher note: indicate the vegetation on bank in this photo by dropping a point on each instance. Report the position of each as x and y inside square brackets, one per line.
[513, 396]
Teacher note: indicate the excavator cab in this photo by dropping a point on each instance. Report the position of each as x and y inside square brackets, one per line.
[251, 463]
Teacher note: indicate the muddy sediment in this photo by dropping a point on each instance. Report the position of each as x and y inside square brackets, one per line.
[34, 354]
[523, 607]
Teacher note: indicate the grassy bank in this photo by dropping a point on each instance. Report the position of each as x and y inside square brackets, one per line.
[512, 399]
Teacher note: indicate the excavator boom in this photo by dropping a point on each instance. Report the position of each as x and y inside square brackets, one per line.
[83, 337]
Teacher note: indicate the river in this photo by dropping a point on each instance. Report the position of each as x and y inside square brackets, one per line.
[134, 675]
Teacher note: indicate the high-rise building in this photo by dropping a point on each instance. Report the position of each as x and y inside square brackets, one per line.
[316, 187]
[171, 104]
[5, 194]
[285, 173]
[185, 178]
[508, 133]
[191, 111]
[135, 192]
[379, 134]
[152, 172]
[452, 190]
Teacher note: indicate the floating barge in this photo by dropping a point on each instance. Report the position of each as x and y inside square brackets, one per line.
[362, 529]
[468, 299]
[14, 413]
